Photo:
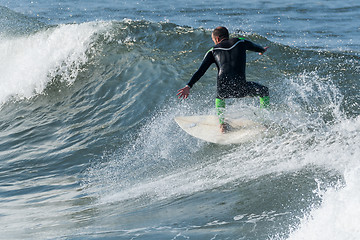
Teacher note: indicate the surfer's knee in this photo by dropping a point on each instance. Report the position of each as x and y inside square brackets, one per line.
[264, 91]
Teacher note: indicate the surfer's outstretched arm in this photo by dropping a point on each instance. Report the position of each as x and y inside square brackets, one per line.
[184, 92]
[207, 61]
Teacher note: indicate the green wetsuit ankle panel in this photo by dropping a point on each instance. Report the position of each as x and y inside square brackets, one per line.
[264, 102]
[220, 109]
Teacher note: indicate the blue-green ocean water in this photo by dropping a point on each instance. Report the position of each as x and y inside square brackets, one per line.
[89, 148]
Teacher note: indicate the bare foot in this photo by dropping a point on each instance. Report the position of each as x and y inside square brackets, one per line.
[223, 128]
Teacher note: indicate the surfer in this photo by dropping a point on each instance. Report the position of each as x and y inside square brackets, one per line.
[229, 55]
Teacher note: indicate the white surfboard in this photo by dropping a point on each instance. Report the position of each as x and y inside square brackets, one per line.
[206, 127]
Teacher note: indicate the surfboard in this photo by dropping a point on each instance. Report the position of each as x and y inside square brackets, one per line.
[206, 127]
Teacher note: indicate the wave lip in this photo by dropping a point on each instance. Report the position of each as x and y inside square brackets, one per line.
[29, 63]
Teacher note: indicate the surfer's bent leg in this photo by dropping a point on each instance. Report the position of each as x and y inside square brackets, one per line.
[220, 109]
[254, 89]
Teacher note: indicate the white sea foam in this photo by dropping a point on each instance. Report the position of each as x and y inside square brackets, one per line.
[29, 63]
[338, 215]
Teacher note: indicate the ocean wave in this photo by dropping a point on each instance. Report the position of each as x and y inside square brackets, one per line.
[33, 61]
[97, 100]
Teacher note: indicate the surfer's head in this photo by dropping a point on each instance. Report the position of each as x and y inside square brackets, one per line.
[219, 34]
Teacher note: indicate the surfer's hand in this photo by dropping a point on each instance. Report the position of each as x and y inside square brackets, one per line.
[262, 53]
[184, 92]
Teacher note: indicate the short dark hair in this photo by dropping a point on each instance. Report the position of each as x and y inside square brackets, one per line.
[221, 32]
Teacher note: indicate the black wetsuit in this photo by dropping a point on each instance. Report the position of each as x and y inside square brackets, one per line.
[230, 59]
